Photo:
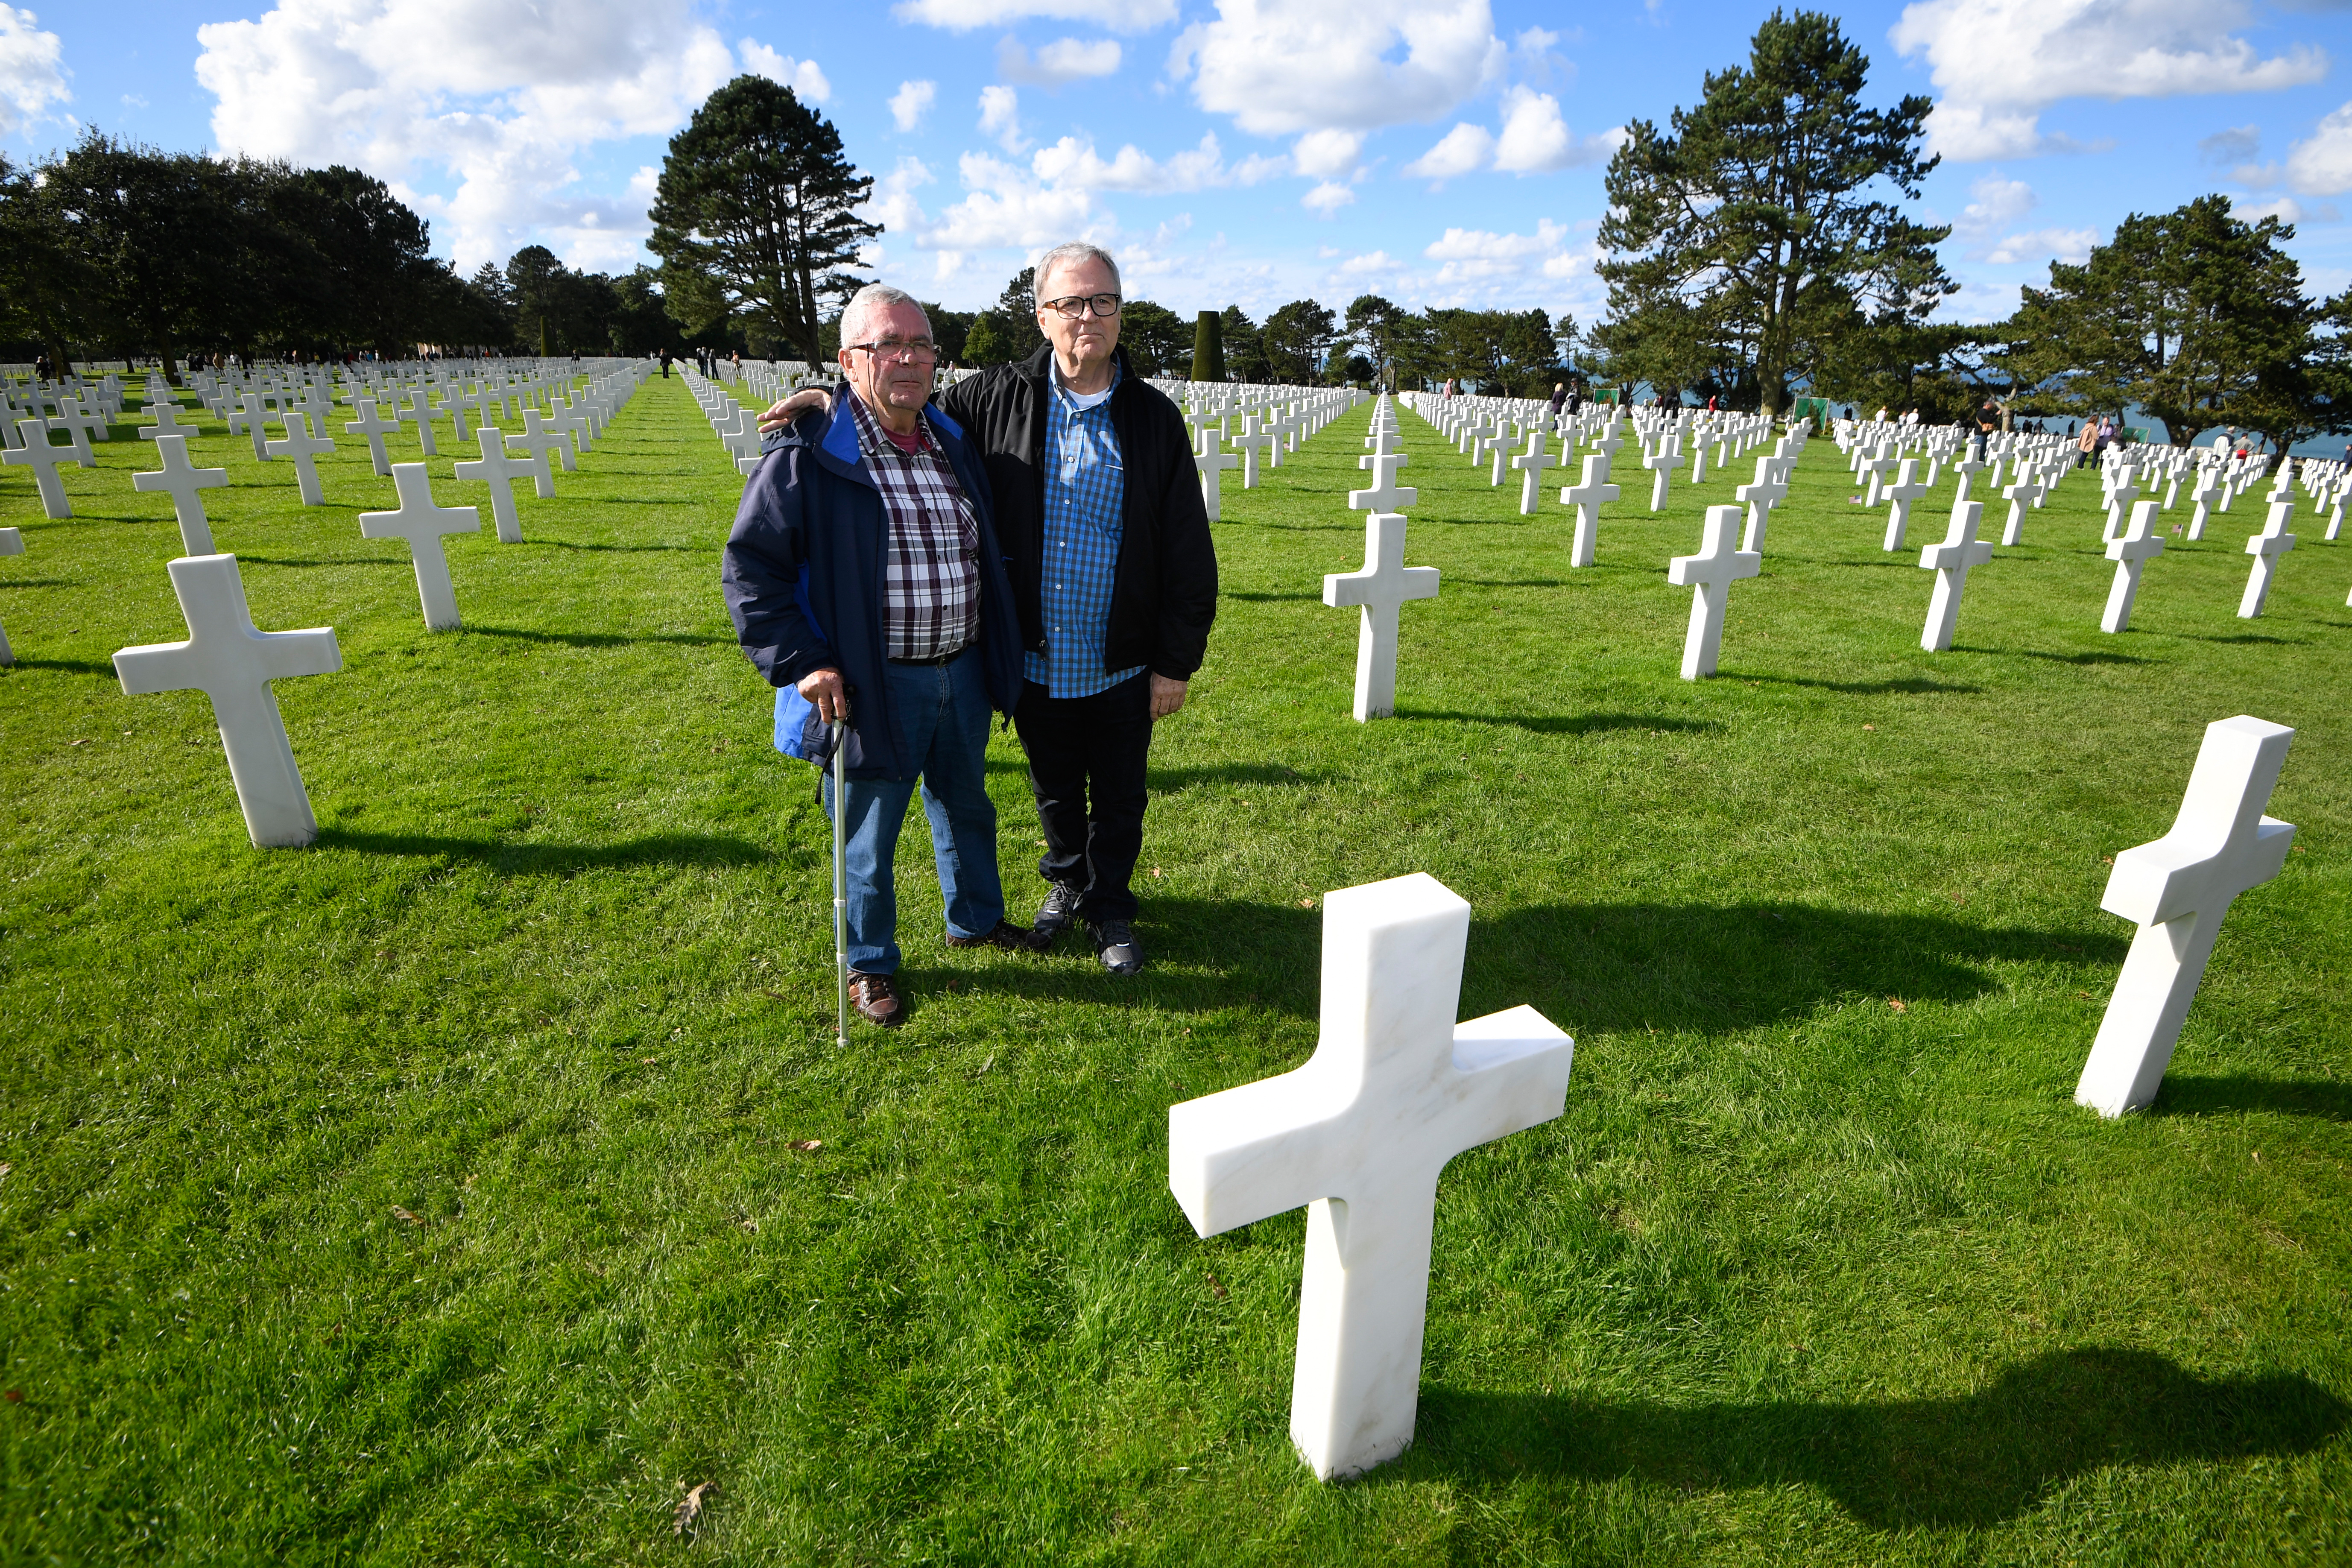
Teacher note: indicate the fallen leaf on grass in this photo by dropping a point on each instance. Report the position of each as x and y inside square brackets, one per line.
[689, 1508]
[1870, 726]
[2106, 859]
[750, 1225]
[806, 1145]
[1896, 1003]
[1220, 1289]
[399, 1213]
[6, 1169]
[1305, 903]
[77, 743]
[778, 995]
[1156, 871]
[15, 1396]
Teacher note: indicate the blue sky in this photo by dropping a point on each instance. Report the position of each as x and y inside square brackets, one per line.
[1250, 152]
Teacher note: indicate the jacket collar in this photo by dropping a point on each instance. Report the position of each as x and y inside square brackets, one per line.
[839, 441]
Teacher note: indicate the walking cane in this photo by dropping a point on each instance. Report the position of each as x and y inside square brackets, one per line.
[840, 892]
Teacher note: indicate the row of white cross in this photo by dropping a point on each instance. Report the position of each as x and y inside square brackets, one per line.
[233, 663]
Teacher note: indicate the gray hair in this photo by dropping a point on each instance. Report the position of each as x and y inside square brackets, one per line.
[1075, 253]
[872, 297]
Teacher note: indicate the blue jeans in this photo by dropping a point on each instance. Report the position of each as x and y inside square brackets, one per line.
[941, 713]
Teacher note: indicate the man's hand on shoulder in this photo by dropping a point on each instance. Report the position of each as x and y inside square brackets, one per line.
[779, 415]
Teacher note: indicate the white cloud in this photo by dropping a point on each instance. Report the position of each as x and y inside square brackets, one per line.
[2321, 165]
[1075, 164]
[802, 75]
[1320, 154]
[2072, 245]
[1278, 67]
[2231, 143]
[1999, 203]
[1008, 206]
[1328, 197]
[963, 16]
[2287, 210]
[1460, 151]
[911, 102]
[398, 86]
[1000, 116]
[1535, 140]
[31, 75]
[1998, 63]
[1063, 60]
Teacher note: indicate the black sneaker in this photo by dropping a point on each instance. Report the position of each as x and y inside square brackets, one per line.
[1059, 910]
[1116, 945]
[1007, 935]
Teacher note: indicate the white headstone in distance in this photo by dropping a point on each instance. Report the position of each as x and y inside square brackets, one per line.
[421, 523]
[1383, 585]
[1585, 498]
[1710, 575]
[12, 543]
[1950, 562]
[1899, 497]
[1386, 494]
[300, 445]
[1532, 463]
[186, 484]
[1769, 489]
[1395, 1088]
[2178, 888]
[1211, 460]
[375, 427]
[166, 414]
[2024, 492]
[230, 662]
[2266, 547]
[539, 435]
[2131, 553]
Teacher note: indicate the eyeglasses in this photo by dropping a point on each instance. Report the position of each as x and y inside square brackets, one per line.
[915, 352]
[1071, 307]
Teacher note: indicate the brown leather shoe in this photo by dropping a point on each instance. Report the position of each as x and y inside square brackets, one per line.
[875, 999]
[1008, 936]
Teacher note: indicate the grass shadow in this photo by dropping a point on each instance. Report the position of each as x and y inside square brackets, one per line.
[1267, 598]
[686, 549]
[2095, 655]
[552, 860]
[74, 665]
[1570, 723]
[1907, 686]
[40, 582]
[401, 562]
[601, 639]
[1968, 1462]
[1510, 582]
[2236, 637]
[2182, 1096]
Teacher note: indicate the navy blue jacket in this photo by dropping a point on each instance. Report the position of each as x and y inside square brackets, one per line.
[804, 574]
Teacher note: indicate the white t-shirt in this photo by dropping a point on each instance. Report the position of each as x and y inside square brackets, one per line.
[1084, 400]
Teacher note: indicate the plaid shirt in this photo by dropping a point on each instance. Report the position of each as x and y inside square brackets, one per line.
[1084, 486]
[930, 586]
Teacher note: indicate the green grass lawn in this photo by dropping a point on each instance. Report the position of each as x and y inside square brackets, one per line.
[437, 1193]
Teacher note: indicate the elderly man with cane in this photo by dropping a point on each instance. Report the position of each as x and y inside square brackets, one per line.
[1114, 576]
[867, 584]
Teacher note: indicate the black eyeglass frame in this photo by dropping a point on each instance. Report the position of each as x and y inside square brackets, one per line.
[905, 353]
[1098, 304]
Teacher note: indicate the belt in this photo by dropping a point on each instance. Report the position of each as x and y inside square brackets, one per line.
[942, 658]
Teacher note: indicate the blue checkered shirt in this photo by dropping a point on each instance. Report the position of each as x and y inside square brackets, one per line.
[1084, 486]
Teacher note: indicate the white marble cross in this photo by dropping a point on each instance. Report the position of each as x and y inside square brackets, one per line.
[1532, 463]
[2023, 492]
[230, 662]
[499, 471]
[2266, 547]
[1771, 488]
[166, 414]
[256, 422]
[1586, 497]
[186, 484]
[1250, 443]
[1661, 460]
[1211, 462]
[300, 445]
[2120, 498]
[1360, 1135]
[12, 543]
[1711, 573]
[418, 411]
[421, 523]
[1950, 562]
[539, 435]
[44, 459]
[375, 427]
[2178, 888]
[1383, 585]
[1899, 496]
[2131, 553]
[1386, 494]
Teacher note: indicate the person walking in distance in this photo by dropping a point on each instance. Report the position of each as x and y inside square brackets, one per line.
[866, 583]
[1098, 504]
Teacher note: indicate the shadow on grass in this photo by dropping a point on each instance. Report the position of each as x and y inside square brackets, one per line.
[2097, 655]
[1570, 723]
[40, 582]
[1509, 582]
[1908, 686]
[1267, 598]
[401, 562]
[602, 639]
[1971, 1461]
[688, 549]
[552, 860]
[2280, 1097]
[74, 665]
[2235, 636]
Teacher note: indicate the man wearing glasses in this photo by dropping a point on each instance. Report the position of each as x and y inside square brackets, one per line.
[1098, 503]
[868, 586]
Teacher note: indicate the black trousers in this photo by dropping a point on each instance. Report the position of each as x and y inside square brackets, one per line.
[1086, 759]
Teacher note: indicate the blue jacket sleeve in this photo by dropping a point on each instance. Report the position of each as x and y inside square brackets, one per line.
[764, 573]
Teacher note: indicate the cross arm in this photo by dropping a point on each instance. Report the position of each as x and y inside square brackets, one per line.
[1260, 1149]
[1515, 1065]
[2182, 872]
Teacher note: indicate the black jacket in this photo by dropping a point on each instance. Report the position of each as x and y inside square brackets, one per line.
[1164, 588]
